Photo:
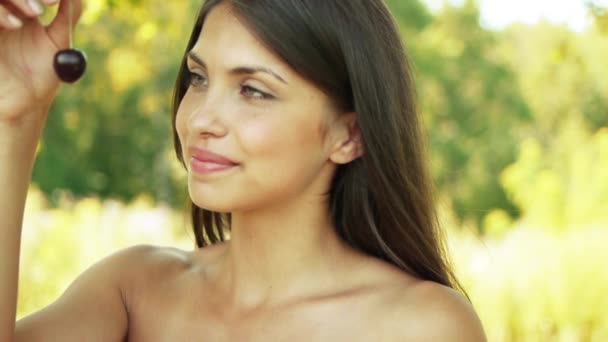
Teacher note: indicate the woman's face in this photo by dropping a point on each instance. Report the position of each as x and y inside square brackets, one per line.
[280, 131]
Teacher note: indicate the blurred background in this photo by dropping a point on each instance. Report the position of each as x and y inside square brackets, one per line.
[515, 100]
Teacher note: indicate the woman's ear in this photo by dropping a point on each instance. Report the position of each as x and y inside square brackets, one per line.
[348, 142]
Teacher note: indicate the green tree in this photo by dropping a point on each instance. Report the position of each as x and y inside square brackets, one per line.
[110, 134]
[474, 110]
[600, 14]
[558, 179]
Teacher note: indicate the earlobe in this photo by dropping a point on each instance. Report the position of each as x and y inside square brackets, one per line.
[349, 150]
[348, 143]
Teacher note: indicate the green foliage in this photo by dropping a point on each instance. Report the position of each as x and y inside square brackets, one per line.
[563, 187]
[468, 97]
[562, 75]
[559, 179]
[110, 134]
[600, 14]
[483, 95]
[412, 14]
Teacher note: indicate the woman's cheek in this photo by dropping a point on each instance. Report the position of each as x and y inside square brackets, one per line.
[181, 119]
[263, 138]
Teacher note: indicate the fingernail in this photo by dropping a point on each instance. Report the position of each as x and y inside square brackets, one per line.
[35, 6]
[14, 21]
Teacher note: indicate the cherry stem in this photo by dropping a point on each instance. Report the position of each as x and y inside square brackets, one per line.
[70, 22]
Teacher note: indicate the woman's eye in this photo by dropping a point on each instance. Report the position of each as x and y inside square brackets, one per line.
[251, 92]
[197, 80]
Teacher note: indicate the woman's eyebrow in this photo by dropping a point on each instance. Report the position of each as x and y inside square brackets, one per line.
[247, 69]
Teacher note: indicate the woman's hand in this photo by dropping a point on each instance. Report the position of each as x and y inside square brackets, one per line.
[28, 82]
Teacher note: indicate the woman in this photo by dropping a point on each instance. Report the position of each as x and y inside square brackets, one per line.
[296, 123]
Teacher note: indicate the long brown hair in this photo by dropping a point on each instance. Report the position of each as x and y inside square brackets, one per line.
[382, 203]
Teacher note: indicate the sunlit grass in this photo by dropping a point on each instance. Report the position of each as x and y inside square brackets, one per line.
[538, 285]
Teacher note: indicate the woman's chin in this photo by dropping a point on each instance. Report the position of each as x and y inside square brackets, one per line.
[211, 205]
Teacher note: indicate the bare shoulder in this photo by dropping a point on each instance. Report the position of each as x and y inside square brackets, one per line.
[94, 306]
[140, 262]
[147, 265]
[163, 275]
[157, 258]
[412, 309]
[428, 311]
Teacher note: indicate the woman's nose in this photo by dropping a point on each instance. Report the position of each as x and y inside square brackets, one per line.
[206, 119]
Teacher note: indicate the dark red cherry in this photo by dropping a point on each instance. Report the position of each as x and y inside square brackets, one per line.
[70, 65]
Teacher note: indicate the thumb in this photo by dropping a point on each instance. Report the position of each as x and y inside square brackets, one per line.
[59, 30]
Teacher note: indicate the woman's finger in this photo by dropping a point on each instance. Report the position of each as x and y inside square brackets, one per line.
[59, 28]
[9, 20]
[27, 8]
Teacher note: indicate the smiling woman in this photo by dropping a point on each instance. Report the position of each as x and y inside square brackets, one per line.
[311, 203]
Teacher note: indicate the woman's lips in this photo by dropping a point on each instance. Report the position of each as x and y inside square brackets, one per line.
[209, 156]
[204, 167]
[205, 161]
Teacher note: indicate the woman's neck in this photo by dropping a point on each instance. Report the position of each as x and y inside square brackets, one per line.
[281, 253]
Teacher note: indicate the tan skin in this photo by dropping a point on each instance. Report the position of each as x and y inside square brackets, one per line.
[284, 275]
